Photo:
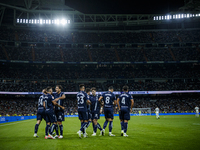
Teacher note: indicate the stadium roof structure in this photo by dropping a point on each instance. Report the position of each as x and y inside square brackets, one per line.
[13, 10]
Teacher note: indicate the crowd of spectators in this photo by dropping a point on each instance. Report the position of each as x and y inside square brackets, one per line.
[99, 55]
[67, 72]
[27, 106]
[100, 37]
[73, 87]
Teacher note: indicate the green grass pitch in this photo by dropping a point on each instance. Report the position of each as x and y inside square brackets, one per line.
[145, 132]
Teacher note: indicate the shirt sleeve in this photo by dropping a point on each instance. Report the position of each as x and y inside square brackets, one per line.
[131, 97]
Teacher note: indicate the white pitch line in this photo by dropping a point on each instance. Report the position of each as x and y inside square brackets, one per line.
[14, 123]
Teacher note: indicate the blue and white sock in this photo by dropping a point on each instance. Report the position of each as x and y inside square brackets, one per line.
[105, 124]
[122, 125]
[47, 130]
[125, 127]
[61, 129]
[88, 124]
[110, 126]
[56, 128]
[52, 128]
[36, 128]
[99, 126]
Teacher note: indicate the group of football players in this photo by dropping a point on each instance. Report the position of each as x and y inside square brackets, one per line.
[50, 107]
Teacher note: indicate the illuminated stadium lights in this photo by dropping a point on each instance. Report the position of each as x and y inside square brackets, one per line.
[41, 21]
[175, 16]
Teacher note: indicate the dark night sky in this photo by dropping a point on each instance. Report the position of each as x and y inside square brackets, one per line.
[125, 6]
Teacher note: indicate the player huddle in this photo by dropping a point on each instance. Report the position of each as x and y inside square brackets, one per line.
[90, 107]
[50, 108]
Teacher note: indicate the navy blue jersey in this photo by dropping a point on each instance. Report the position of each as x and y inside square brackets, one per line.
[108, 99]
[40, 103]
[125, 100]
[95, 105]
[48, 98]
[82, 98]
[60, 101]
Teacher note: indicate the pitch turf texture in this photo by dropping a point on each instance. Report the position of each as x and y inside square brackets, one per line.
[145, 132]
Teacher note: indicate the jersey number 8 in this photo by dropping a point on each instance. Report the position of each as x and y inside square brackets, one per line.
[107, 100]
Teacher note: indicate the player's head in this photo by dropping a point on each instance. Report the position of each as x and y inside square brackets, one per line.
[87, 90]
[58, 88]
[93, 91]
[125, 88]
[82, 87]
[44, 91]
[49, 90]
[111, 89]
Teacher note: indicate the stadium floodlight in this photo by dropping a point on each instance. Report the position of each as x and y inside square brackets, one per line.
[20, 20]
[26, 20]
[43, 21]
[63, 22]
[17, 20]
[69, 21]
[32, 21]
[40, 21]
[35, 21]
[188, 15]
[49, 21]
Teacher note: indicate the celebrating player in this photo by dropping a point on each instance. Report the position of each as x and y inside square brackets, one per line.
[83, 100]
[95, 109]
[59, 112]
[157, 113]
[40, 112]
[108, 100]
[197, 111]
[49, 111]
[125, 104]
[88, 109]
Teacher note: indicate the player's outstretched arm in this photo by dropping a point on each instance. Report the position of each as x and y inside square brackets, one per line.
[62, 97]
[100, 98]
[88, 102]
[56, 104]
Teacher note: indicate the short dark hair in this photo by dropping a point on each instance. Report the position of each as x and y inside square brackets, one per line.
[110, 88]
[87, 90]
[81, 86]
[125, 88]
[93, 88]
[48, 88]
[59, 86]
